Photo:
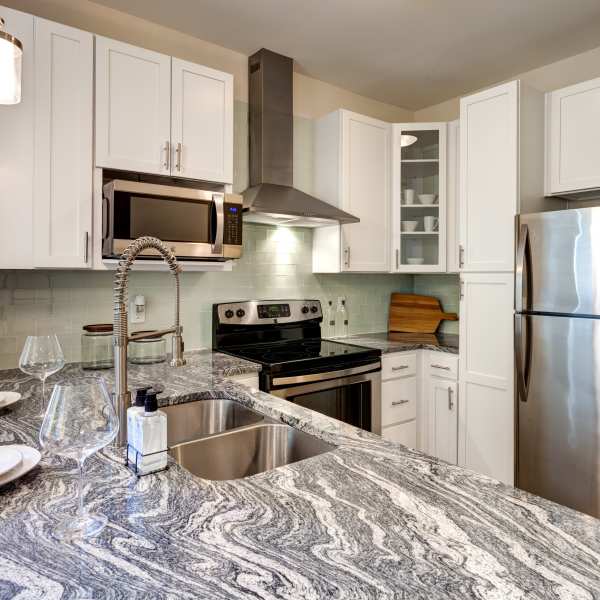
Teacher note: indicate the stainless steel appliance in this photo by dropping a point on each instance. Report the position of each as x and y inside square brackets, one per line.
[272, 197]
[557, 346]
[195, 224]
[340, 380]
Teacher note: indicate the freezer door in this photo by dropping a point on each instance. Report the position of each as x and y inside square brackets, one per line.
[558, 262]
[558, 422]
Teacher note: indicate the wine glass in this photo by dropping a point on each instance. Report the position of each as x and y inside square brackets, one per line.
[41, 357]
[79, 421]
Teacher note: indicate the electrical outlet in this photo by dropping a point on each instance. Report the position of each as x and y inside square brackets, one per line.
[137, 310]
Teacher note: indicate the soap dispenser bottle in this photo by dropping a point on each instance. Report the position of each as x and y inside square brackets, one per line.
[149, 438]
[135, 410]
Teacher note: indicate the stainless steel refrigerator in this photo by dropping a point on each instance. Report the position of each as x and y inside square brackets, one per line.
[557, 356]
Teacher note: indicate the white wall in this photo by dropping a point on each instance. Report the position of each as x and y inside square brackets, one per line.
[562, 73]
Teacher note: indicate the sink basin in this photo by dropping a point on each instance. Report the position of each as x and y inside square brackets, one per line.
[248, 451]
[195, 420]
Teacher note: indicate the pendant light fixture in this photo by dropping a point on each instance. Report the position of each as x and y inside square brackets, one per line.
[407, 140]
[11, 57]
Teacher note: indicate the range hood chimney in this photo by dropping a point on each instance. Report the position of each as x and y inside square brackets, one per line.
[271, 197]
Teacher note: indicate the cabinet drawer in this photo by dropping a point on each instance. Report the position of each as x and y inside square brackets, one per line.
[399, 400]
[405, 433]
[441, 364]
[398, 365]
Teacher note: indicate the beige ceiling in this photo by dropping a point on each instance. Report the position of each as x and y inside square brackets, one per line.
[411, 53]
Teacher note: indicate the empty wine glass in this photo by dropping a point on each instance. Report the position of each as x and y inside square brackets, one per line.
[41, 357]
[79, 421]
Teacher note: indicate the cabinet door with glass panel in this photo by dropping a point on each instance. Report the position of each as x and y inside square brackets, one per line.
[419, 198]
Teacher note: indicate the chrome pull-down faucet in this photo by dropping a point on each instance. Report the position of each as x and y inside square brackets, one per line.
[121, 394]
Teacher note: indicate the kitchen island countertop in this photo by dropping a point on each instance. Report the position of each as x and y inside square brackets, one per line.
[370, 519]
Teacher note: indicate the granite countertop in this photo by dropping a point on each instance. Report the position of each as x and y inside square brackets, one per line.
[369, 520]
[401, 342]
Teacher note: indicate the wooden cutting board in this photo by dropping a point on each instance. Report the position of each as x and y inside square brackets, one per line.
[417, 314]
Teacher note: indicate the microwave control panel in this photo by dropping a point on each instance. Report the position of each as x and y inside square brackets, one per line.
[232, 234]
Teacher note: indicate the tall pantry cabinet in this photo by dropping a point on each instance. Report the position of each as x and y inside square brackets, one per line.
[501, 175]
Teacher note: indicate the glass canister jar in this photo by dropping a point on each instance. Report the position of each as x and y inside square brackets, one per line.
[147, 350]
[97, 346]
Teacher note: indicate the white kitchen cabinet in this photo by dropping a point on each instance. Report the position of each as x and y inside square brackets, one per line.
[404, 433]
[419, 198]
[352, 172]
[573, 131]
[62, 215]
[202, 122]
[486, 406]
[501, 172]
[16, 155]
[453, 198]
[443, 419]
[399, 401]
[133, 108]
[489, 129]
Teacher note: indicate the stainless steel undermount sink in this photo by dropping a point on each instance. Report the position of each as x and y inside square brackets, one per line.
[193, 420]
[247, 451]
[221, 440]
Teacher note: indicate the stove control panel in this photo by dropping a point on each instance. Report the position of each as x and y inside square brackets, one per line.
[265, 312]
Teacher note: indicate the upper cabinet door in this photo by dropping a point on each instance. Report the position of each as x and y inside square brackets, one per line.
[573, 122]
[16, 156]
[419, 198]
[64, 76]
[133, 108]
[489, 178]
[202, 122]
[365, 192]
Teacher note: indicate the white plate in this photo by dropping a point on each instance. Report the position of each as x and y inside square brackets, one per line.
[10, 458]
[31, 457]
[8, 398]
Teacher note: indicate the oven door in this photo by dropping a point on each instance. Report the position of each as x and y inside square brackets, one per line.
[352, 395]
[192, 222]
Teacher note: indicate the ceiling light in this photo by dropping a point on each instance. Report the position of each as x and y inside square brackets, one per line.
[11, 56]
[407, 140]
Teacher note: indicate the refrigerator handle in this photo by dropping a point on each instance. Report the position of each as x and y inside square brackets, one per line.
[522, 363]
[523, 269]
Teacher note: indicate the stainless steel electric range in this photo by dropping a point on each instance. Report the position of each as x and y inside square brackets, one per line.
[337, 379]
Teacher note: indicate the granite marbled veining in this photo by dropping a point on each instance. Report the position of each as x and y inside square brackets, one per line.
[369, 520]
[403, 342]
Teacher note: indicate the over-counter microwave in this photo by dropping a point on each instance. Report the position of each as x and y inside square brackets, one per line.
[195, 224]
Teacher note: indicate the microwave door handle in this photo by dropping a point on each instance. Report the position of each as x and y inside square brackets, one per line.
[218, 204]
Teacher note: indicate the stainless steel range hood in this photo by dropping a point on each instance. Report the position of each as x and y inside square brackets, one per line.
[271, 197]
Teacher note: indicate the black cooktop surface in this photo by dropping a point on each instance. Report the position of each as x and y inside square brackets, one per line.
[304, 354]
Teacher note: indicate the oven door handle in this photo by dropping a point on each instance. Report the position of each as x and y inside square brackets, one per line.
[326, 376]
[219, 221]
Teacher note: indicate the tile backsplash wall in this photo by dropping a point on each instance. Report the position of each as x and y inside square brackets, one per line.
[277, 263]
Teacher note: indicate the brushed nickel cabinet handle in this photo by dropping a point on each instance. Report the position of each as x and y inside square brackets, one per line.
[450, 403]
[178, 157]
[167, 151]
[462, 289]
[440, 367]
[86, 243]
[397, 259]
[400, 368]
[398, 402]
[461, 256]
